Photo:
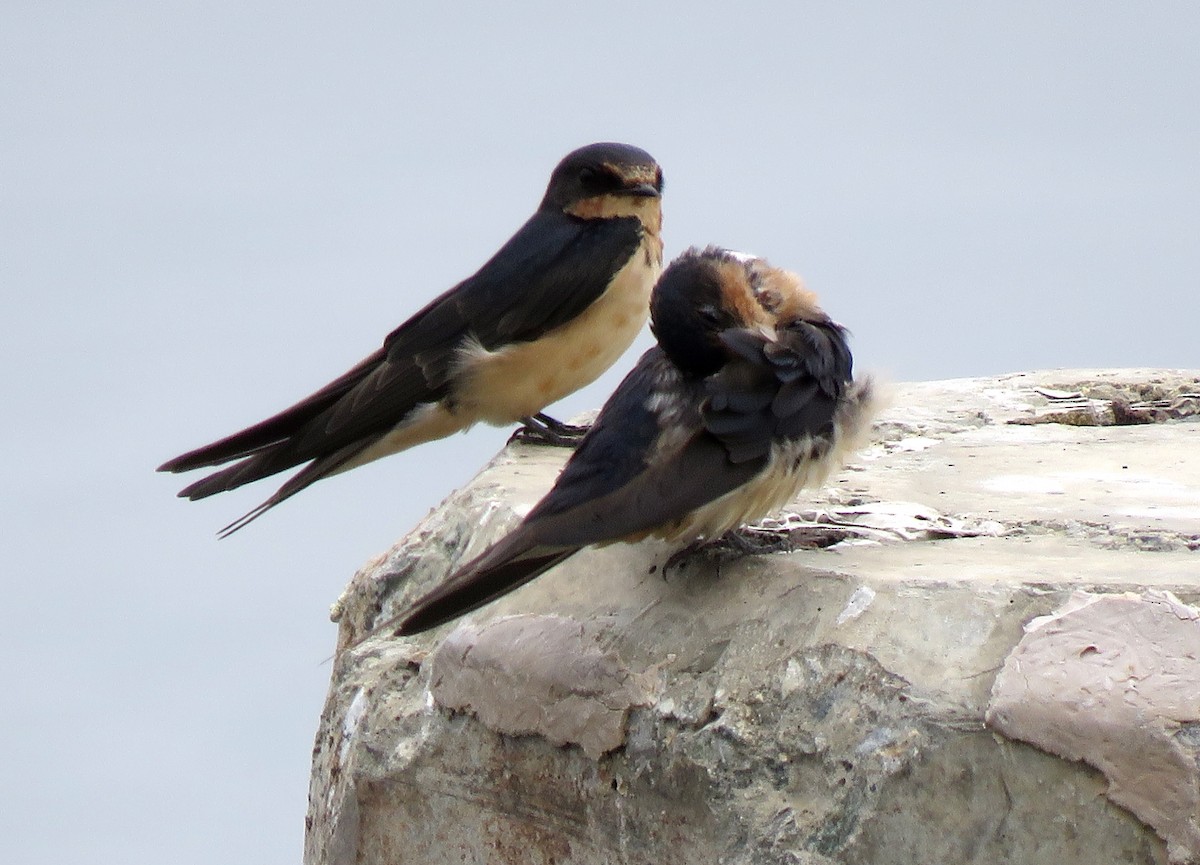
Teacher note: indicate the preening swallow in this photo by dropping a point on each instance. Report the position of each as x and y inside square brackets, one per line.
[748, 396]
[546, 315]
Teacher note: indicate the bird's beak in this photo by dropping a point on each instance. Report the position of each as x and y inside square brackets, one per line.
[642, 190]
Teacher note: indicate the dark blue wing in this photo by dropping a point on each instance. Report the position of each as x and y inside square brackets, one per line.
[551, 270]
[646, 462]
[775, 390]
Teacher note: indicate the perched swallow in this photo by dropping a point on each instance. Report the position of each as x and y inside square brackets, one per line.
[546, 315]
[748, 396]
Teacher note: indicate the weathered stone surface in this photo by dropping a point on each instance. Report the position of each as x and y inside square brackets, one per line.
[825, 705]
[557, 683]
[1112, 680]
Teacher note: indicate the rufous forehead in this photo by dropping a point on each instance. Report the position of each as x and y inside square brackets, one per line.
[737, 296]
[634, 173]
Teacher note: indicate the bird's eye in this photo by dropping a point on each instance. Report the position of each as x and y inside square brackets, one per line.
[588, 176]
[709, 313]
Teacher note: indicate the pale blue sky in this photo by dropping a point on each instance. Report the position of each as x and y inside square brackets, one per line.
[209, 209]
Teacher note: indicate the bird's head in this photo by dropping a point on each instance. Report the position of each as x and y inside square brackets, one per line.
[707, 294]
[606, 180]
[701, 294]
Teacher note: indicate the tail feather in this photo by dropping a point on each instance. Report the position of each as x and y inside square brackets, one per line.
[310, 474]
[261, 439]
[246, 443]
[247, 471]
[276, 429]
[488, 577]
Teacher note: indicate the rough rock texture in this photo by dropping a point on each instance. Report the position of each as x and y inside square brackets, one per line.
[1112, 680]
[982, 648]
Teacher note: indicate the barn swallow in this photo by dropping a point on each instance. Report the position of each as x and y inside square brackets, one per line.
[748, 396]
[546, 315]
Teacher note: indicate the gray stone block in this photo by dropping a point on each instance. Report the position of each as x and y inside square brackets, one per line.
[885, 692]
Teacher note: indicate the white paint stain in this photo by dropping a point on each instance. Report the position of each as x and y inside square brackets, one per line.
[857, 605]
[354, 715]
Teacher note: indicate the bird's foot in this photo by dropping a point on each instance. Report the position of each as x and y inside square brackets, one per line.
[749, 541]
[753, 541]
[734, 544]
[541, 429]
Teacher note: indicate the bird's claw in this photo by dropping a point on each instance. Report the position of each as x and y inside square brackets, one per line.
[735, 543]
[541, 429]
